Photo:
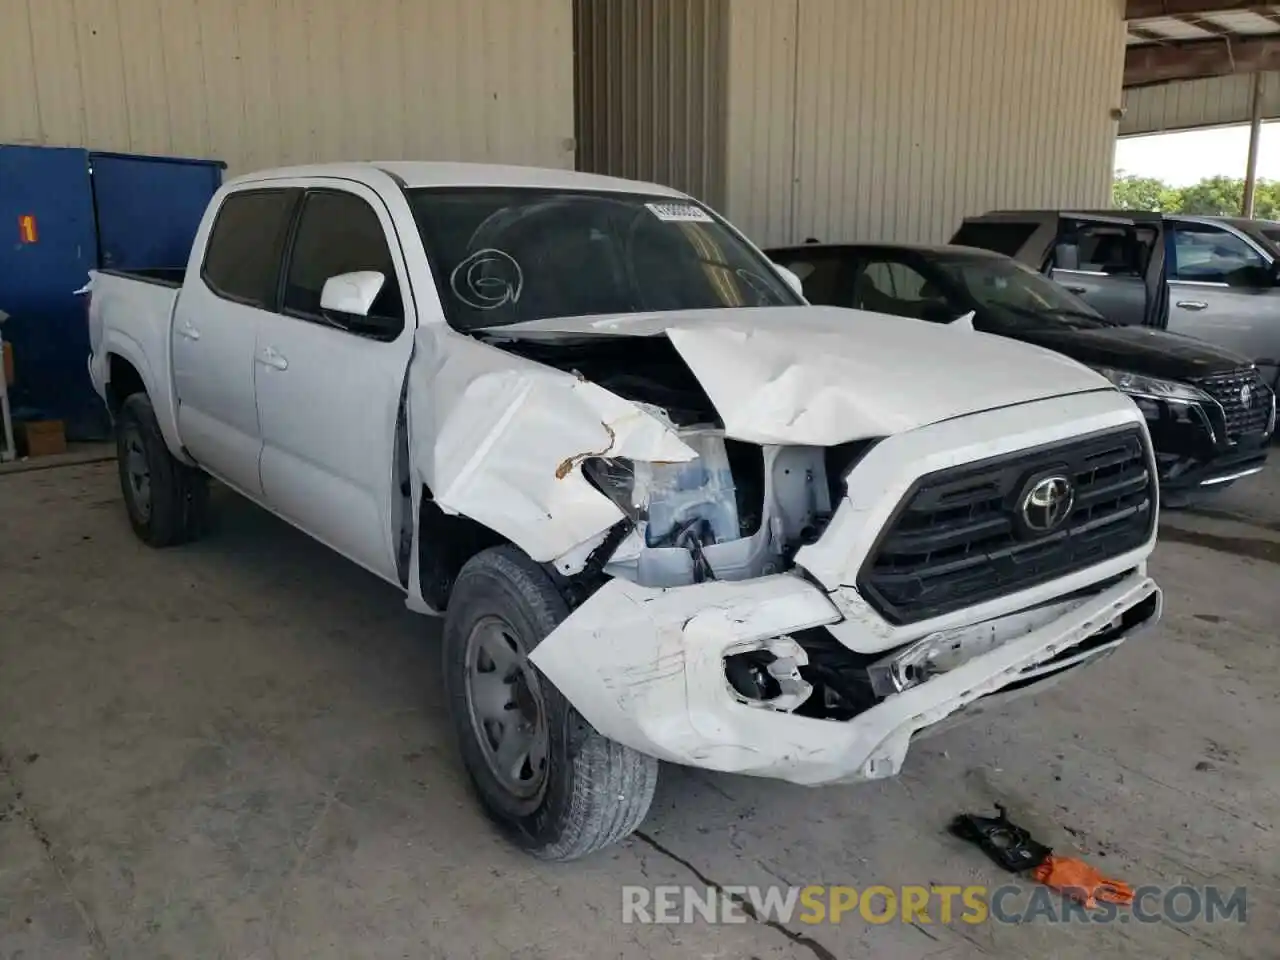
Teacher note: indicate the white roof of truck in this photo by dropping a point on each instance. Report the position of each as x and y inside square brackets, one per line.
[447, 174]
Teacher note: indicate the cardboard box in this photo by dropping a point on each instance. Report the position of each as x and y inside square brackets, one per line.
[41, 438]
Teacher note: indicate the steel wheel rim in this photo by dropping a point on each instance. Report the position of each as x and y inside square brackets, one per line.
[137, 473]
[506, 708]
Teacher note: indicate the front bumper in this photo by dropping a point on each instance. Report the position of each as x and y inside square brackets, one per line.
[1194, 449]
[646, 667]
[1182, 474]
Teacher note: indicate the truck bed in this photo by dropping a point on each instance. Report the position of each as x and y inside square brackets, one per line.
[130, 314]
[163, 276]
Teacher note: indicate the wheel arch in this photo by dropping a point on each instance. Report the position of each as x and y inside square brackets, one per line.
[445, 542]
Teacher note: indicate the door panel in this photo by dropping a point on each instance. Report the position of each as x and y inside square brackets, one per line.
[1102, 261]
[213, 343]
[328, 396]
[1221, 292]
[328, 419]
[215, 326]
[1119, 299]
[1244, 320]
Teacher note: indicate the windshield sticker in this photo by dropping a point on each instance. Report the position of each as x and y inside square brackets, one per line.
[679, 213]
[487, 280]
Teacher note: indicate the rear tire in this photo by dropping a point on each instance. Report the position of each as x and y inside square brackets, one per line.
[572, 791]
[167, 501]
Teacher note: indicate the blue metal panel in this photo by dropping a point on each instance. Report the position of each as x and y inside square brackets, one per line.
[149, 207]
[43, 261]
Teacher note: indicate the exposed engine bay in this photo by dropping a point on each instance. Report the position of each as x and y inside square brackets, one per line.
[735, 511]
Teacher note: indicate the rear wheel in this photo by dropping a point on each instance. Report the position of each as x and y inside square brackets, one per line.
[167, 501]
[551, 782]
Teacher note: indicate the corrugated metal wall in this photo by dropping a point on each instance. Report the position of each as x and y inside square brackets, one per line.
[761, 136]
[266, 82]
[892, 119]
[1197, 103]
[650, 81]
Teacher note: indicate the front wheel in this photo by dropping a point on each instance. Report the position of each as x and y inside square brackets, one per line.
[167, 501]
[549, 780]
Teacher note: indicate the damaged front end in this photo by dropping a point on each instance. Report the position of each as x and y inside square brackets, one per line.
[745, 596]
[654, 669]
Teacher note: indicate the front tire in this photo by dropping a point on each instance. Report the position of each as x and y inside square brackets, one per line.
[166, 500]
[557, 787]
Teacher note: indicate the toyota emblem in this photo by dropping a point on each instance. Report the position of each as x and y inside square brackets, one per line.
[1048, 503]
[1246, 395]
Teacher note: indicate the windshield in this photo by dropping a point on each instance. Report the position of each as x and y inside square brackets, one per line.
[504, 256]
[1011, 288]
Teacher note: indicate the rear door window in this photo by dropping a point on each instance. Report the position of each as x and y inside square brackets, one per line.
[1103, 248]
[246, 245]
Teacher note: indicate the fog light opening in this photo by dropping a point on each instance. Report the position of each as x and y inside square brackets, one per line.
[768, 675]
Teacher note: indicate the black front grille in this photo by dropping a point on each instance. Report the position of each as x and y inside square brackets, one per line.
[959, 537]
[1243, 419]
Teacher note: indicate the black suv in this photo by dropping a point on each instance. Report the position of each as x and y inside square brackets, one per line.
[1210, 414]
[1213, 278]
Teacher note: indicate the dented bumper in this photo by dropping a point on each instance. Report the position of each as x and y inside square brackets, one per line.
[646, 667]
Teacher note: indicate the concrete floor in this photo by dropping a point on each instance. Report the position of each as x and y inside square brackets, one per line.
[238, 749]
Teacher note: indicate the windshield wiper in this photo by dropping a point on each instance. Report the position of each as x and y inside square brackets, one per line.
[1049, 314]
[1083, 315]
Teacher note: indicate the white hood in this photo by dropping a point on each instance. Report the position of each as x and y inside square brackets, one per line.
[822, 375]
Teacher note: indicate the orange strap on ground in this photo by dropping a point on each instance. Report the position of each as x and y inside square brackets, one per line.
[1078, 880]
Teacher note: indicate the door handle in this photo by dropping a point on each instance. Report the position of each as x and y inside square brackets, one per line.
[1076, 289]
[271, 357]
[1192, 304]
[188, 331]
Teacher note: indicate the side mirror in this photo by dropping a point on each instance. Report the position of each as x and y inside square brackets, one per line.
[1252, 277]
[789, 275]
[1066, 256]
[351, 294]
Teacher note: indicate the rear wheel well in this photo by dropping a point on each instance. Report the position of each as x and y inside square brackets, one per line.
[445, 543]
[123, 381]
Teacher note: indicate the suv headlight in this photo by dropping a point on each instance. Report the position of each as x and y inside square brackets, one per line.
[1153, 388]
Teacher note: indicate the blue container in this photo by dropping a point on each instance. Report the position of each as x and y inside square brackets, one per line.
[64, 212]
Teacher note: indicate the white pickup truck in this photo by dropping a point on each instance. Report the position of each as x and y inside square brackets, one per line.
[667, 510]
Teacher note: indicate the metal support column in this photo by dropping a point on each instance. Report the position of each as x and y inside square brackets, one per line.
[1255, 128]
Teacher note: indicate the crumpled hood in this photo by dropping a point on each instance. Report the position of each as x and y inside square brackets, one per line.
[823, 375]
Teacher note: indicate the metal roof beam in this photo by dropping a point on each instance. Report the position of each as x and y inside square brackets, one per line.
[1192, 59]
[1147, 9]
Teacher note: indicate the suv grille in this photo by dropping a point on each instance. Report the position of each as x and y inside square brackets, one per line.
[961, 537]
[1243, 418]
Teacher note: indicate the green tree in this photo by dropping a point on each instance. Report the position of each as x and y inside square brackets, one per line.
[1266, 200]
[1130, 192]
[1213, 196]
